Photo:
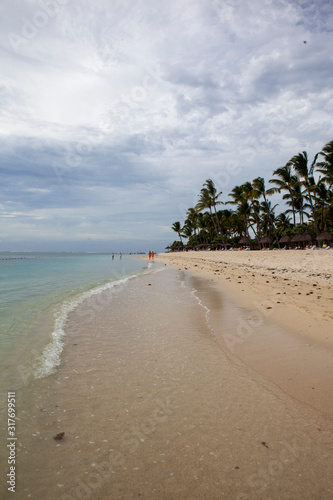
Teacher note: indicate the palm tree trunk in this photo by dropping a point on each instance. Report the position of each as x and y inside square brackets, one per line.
[257, 222]
[218, 223]
[271, 223]
[293, 207]
[213, 219]
[256, 235]
[313, 210]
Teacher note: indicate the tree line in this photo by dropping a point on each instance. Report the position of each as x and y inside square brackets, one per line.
[306, 188]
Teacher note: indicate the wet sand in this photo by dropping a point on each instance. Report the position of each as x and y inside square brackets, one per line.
[154, 407]
[298, 284]
[285, 328]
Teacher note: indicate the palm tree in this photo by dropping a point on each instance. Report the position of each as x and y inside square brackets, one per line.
[206, 227]
[192, 221]
[328, 210]
[214, 195]
[208, 198]
[259, 190]
[301, 192]
[326, 167]
[244, 210]
[282, 223]
[299, 203]
[225, 217]
[188, 230]
[324, 200]
[300, 164]
[249, 194]
[238, 198]
[241, 196]
[268, 218]
[256, 219]
[286, 182]
[176, 226]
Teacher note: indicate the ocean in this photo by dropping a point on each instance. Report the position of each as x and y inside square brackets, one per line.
[37, 292]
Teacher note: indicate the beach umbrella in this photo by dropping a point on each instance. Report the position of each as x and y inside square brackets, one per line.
[266, 240]
[218, 245]
[201, 246]
[296, 238]
[285, 239]
[325, 236]
[305, 237]
[245, 240]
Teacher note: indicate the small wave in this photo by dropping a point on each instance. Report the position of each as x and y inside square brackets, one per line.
[194, 293]
[50, 358]
[207, 311]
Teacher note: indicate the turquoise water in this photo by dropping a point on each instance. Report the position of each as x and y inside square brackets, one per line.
[37, 292]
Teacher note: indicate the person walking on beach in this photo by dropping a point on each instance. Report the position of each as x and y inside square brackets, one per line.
[149, 254]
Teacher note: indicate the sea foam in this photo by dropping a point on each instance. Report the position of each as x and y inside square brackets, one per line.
[45, 364]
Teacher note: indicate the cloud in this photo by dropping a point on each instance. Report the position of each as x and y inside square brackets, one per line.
[114, 114]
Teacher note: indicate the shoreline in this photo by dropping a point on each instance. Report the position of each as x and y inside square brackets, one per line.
[298, 287]
[278, 326]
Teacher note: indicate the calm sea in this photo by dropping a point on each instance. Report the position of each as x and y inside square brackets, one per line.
[37, 292]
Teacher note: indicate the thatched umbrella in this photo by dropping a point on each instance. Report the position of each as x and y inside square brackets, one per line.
[245, 240]
[285, 239]
[266, 240]
[296, 238]
[177, 247]
[325, 236]
[305, 237]
[201, 246]
[221, 245]
[302, 238]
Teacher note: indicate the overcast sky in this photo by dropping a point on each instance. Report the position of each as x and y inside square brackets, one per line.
[115, 112]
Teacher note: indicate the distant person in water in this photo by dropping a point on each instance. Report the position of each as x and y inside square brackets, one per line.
[113, 256]
[120, 255]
